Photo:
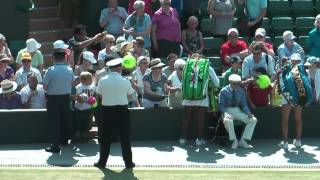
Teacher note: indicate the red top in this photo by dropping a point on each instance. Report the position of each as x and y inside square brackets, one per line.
[259, 97]
[227, 49]
[147, 7]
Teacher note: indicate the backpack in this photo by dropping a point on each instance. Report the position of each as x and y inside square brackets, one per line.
[195, 79]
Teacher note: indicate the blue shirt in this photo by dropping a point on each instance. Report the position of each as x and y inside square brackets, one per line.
[225, 99]
[58, 79]
[314, 42]
[140, 27]
[249, 65]
[115, 23]
[284, 51]
[255, 7]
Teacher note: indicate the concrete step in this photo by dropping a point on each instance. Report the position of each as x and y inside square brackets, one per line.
[50, 35]
[46, 3]
[45, 24]
[44, 12]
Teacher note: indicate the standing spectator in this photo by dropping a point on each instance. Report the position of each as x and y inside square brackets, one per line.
[86, 62]
[234, 69]
[9, 98]
[314, 38]
[112, 18]
[260, 36]
[192, 39]
[168, 70]
[59, 45]
[107, 52]
[221, 16]
[255, 60]
[175, 85]
[37, 58]
[4, 49]
[233, 47]
[6, 72]
[114, 90]
[289, 47]
[84, 90]
[58, 83]
[33, 95]
[258, 97]
[81, 42]
[139, 24]
[21, 74]
[166, 30]
[155, 86]
[233, 105]
[147, 7]
[190, 8]
[255, 10]
[138, 48]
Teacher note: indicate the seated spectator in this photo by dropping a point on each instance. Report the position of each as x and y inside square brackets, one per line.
[233, 106]
[168, 70]
[86, 62]
[147, 6]
[314, 38]
[312, 66]
[166, 30]
[155, 86]
[6, 72]
[4, 49]
[33, 95]
[81, 42]
[260, 36]
[9, 97]
[21, 74]
[107, 52]
[258, 97]
[139, 24]
[289, 47]
[221, 16]
[138, 48]
[84, 90]
[112, 18]
[59, 45]
[233, 47]
[234, 69]
[175, 84]
[139, 72]
[258, 59]
[192, 39]
[37, 58]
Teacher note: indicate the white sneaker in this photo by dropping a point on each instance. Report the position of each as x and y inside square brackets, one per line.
[234, 144]
[244, 144]
[297, 143]
[200, 142]
[284, 145]
[182, 141]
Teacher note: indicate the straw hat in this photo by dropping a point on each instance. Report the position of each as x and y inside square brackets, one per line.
[156, 63]
[7, 86]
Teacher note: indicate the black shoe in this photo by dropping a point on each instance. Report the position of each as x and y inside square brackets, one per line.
[53, 149]
[100, 165]
[130, 165]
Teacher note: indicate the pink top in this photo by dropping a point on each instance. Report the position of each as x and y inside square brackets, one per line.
[147, 7]
[168, 25]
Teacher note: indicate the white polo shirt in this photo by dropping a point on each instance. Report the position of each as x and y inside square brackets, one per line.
[114, 89]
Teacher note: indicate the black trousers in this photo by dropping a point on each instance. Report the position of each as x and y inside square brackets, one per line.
[167, 47]
[82, 120]
[59, 118]
[115, 118]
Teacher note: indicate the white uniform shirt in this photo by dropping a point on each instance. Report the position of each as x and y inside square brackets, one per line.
[38, 101]
[114, 89]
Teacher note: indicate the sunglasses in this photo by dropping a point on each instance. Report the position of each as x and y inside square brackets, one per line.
[24, 61]
[259, 36]
[166, 4]
[111, 42]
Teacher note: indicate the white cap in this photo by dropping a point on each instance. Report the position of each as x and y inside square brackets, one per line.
[288, 35]
[114, 62]
[261, 32]
[295, 57]
[87, 55]
[234, 78]
[59, 44]
[32, 45]
[233, 30]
